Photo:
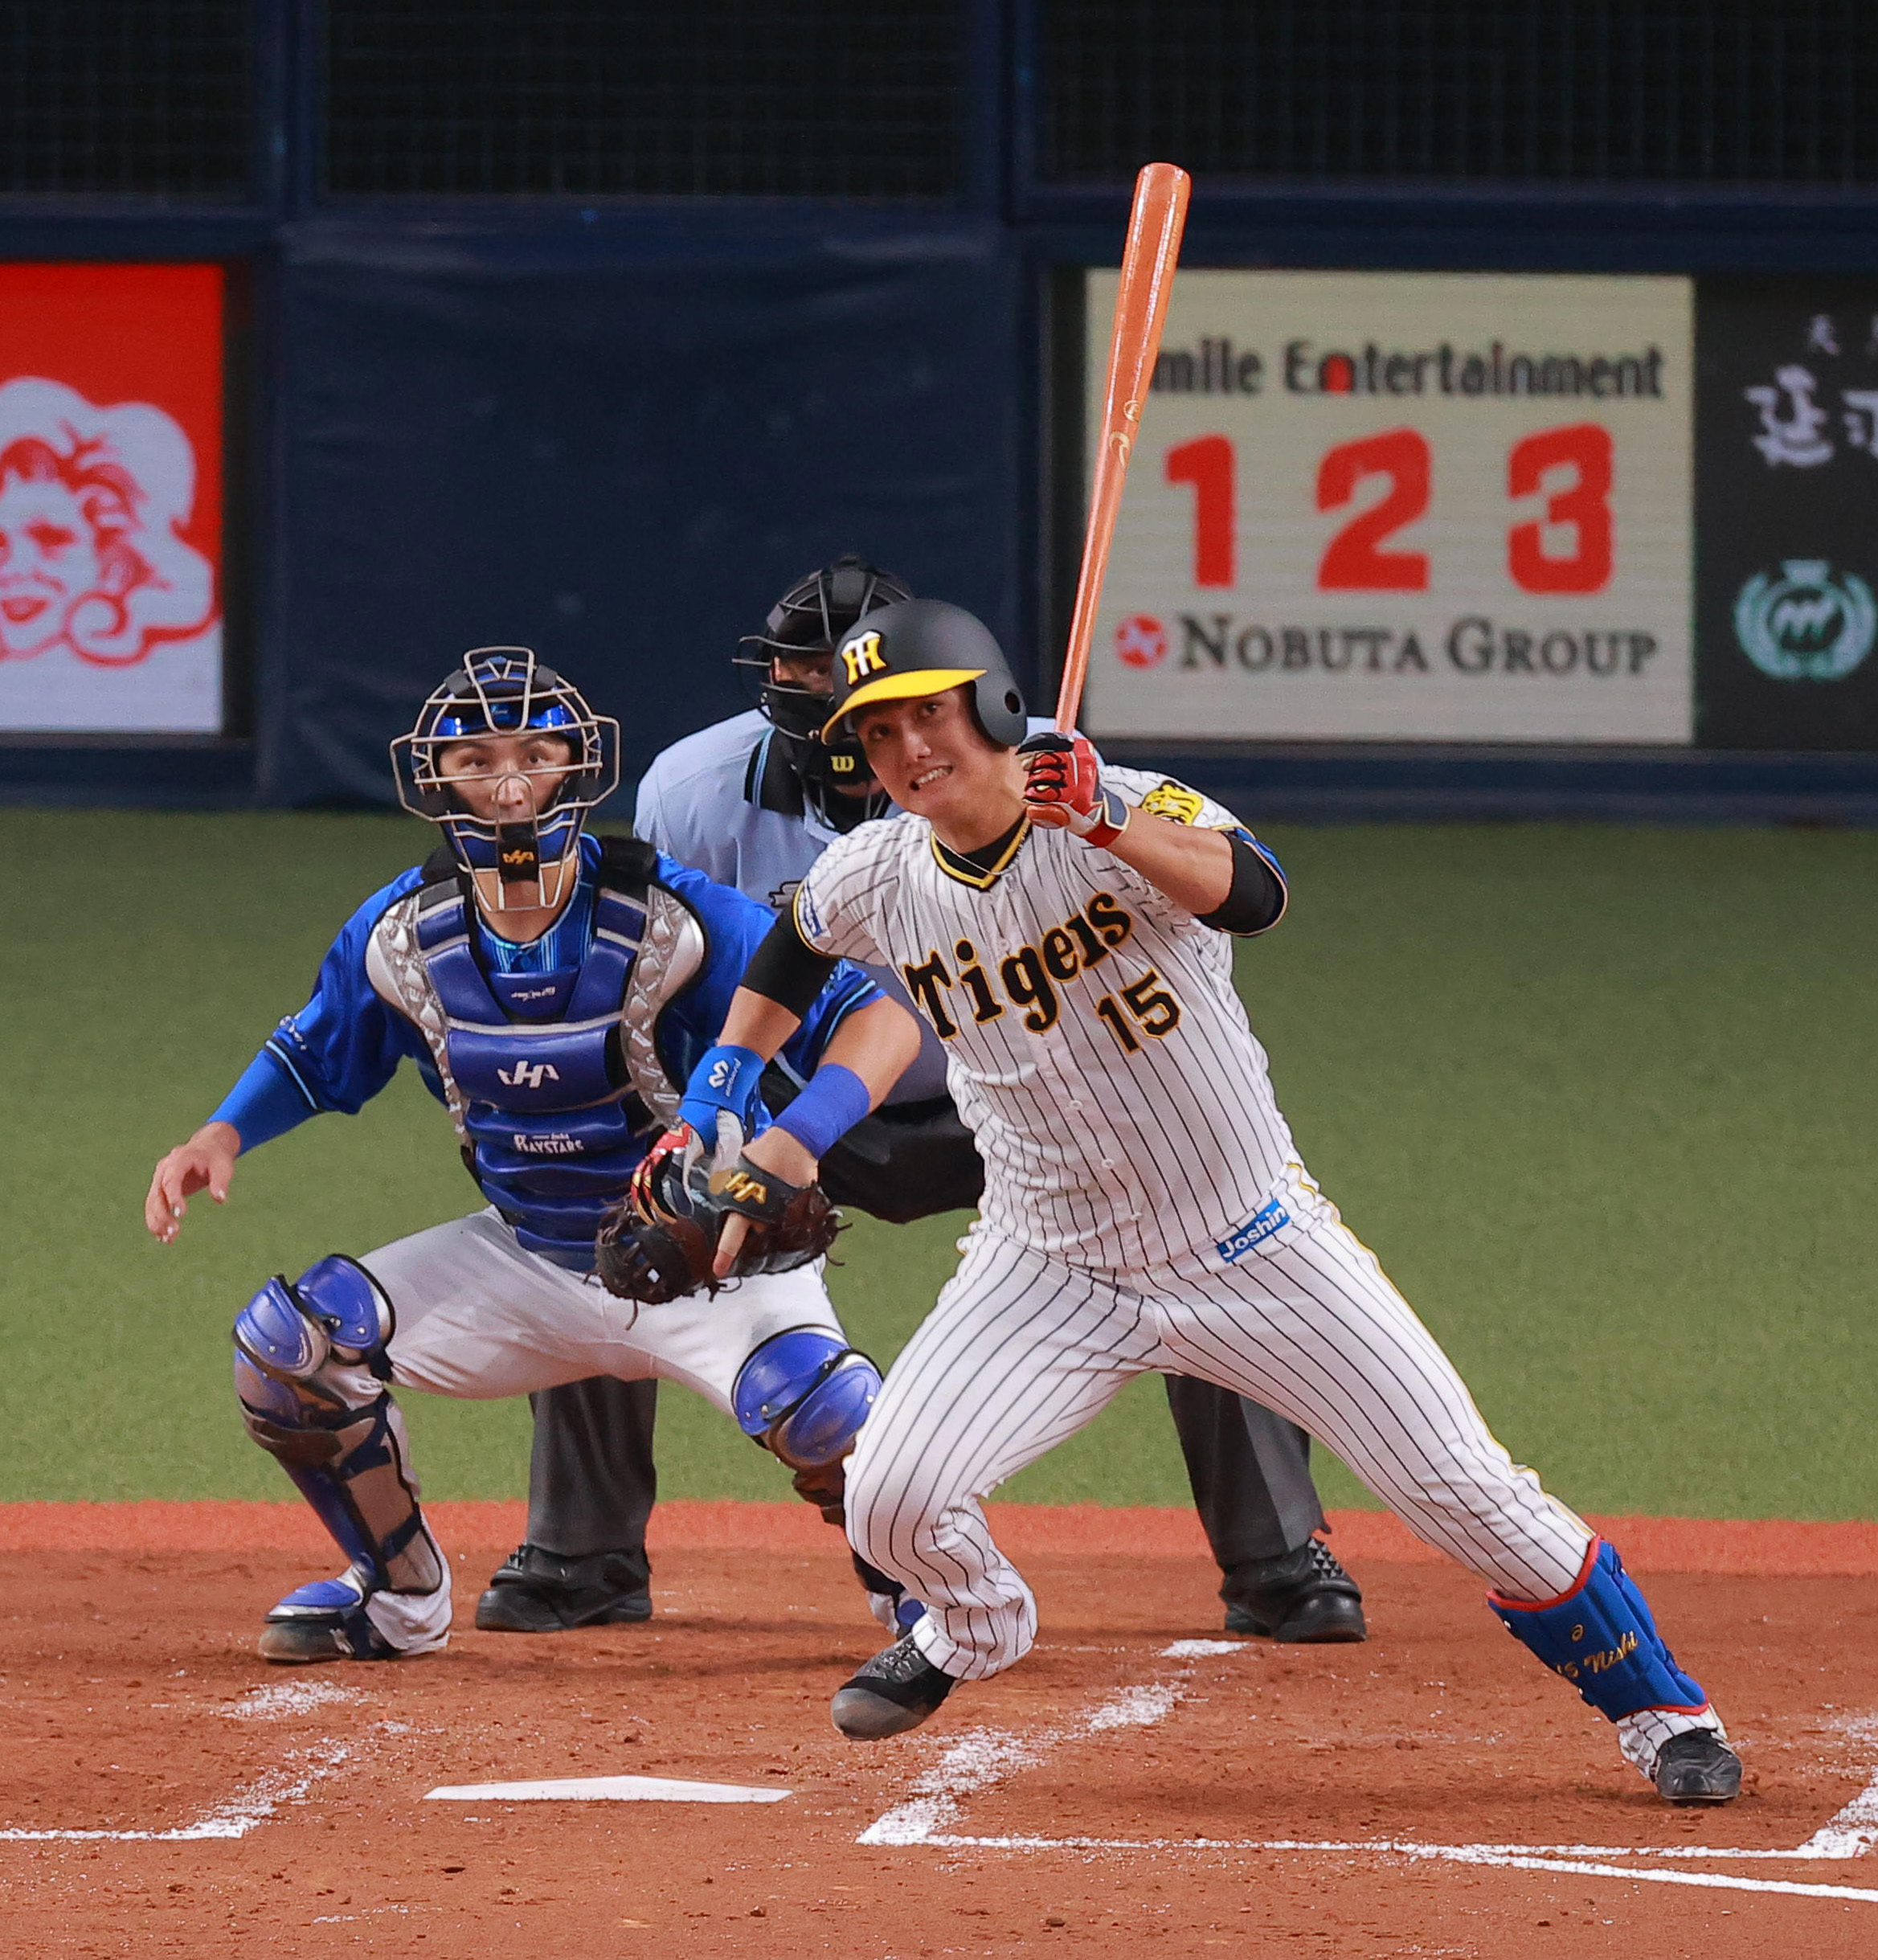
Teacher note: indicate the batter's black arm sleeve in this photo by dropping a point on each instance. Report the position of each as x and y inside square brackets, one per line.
[786, 969]
[1257, 899]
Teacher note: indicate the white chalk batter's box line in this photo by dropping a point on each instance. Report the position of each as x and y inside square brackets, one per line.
[289, 1781]
[985, 1758]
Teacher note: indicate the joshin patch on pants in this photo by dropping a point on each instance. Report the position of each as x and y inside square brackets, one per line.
[1270, 1217]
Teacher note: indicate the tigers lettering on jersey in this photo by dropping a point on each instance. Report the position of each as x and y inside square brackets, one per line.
[1030, 975]
[1176, 1141]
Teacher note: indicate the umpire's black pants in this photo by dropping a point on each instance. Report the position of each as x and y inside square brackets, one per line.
[592, 1481]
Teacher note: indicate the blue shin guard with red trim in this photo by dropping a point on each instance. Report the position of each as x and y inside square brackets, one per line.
[1601, 1638]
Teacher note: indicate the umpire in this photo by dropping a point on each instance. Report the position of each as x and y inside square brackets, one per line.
[752, 802]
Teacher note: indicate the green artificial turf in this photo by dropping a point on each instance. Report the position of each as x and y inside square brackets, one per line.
[1602, 1100]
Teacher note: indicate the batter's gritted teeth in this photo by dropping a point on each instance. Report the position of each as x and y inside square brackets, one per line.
[932, 775]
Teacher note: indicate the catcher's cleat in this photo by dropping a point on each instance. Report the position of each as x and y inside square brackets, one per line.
[894, 1692]
[327, 1621]
[1697, 1767]
[1305, 1596]
[540, 1592]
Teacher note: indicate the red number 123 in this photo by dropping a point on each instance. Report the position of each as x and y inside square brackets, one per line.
[1354, 560]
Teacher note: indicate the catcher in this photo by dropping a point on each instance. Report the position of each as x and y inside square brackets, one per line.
[554, 992]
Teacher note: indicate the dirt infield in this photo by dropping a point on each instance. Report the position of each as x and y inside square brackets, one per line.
[1137, 1782]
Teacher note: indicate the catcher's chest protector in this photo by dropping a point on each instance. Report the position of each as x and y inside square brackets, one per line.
[533, 1067]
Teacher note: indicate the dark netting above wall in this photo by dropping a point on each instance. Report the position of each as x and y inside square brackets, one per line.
[1583, 92]
[592, 98]
[125, 97]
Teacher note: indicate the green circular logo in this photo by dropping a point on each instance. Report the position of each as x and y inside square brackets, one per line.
[1811, 622]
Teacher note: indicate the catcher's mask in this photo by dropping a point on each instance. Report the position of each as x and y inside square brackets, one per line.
[811, 618]
[504, 691]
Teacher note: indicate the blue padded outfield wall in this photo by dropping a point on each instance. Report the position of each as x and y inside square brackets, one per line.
[591, 327]
[620, 457]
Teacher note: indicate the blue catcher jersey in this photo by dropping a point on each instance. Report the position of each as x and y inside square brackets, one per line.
[558, 1062]
[726, 801]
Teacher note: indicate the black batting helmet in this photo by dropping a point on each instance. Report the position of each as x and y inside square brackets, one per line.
[810, 618]
[922, 647]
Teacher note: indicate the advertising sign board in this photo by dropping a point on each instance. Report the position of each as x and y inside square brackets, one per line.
[1405, 506]
[1787, 514]
[110, 380]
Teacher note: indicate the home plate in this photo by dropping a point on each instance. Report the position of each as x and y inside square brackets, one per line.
[605, 1790]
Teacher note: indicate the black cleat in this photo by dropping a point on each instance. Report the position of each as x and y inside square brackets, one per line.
[326, 1620]
[307, 1642]
[1697, 1767]
[1304, 1596]
[894, 1692]
[540, 1592]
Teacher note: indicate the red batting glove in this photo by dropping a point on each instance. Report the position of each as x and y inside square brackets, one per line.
[1063, 790]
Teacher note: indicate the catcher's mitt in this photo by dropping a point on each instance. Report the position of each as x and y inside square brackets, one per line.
[661, 1240]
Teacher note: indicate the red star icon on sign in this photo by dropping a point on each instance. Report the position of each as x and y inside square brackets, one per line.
[1141, 642]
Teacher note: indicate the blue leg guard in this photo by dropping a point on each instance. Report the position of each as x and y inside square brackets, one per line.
[310, 1369]
[1601, 1638]
[803, 1395]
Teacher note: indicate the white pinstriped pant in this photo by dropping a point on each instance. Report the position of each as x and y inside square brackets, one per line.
[1022, 1351]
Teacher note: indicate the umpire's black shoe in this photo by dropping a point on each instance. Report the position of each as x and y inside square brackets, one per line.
[540, 1592]
[1697, 1767]
[894, 1692]
[1304, 1596]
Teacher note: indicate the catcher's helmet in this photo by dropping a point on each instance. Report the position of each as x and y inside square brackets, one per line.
[809, 619]
[499, 691]
[923, 647]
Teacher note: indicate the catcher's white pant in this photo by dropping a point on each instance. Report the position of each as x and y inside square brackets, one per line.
[1022, 1351]
[478, 1317]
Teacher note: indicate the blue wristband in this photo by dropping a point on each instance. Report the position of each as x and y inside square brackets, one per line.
[727, 1078]
[266, 1103]
[834, 1101]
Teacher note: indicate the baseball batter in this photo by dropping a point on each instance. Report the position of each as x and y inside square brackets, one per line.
[753, 802]
[553, 993]
[1066, 930]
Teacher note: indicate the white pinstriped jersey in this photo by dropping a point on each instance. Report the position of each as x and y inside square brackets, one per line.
[1094, 1043]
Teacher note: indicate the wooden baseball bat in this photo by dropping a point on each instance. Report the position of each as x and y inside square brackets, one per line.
[1141, 307]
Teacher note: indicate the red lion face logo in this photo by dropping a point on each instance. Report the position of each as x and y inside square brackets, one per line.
[92, 502]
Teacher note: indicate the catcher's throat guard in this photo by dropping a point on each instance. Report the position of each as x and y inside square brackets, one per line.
[506, 691]
[660, 1241]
